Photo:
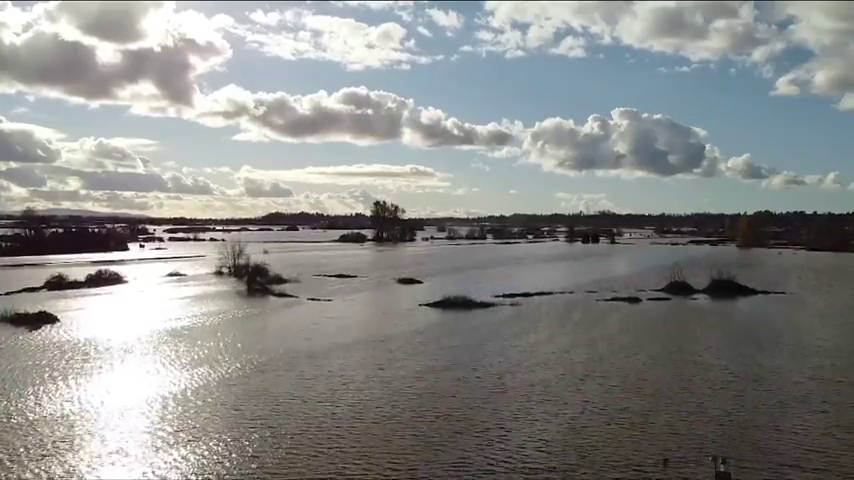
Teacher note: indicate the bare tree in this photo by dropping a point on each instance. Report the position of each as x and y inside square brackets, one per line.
[30, 220]
[233, 258]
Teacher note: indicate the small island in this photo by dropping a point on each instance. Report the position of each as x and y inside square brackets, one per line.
[30, 320]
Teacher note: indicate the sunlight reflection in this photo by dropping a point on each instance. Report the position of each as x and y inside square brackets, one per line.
[130, 311]
[124, 403]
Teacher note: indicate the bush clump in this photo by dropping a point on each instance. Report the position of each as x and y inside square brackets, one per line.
[459, 302]
[58, 281]
[176, 273]
[29, 320]
[103, 277]
[353, 237]
[409, 281]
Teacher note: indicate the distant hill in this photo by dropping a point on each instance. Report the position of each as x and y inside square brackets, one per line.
[64, 212]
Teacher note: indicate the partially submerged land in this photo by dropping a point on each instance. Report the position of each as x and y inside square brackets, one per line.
[103, 277]
[721, 285]
[260, 281]
[30, 320]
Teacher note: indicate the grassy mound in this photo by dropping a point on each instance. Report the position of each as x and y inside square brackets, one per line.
[459, 302]
[723, 288]
[409, 281]
[677, 285]
[678, 288]
[176, 273]
[315, 299]
[29, 320]
[722, 285]
[629, 300]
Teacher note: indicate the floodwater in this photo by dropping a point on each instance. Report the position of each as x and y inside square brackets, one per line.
[187, 377]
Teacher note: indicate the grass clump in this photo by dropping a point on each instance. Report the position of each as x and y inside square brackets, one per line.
[336, 275]
[29, 320]
[409, 281]
[175, 274]
[459, 302]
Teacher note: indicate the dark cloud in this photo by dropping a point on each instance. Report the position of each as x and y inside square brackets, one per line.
[24, 143]
[25, 177]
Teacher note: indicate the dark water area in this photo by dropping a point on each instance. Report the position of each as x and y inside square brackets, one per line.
[185, 377]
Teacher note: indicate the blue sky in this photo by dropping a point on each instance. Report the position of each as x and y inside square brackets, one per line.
[217, 109]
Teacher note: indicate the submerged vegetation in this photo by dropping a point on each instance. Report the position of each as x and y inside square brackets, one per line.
[722, 285]
[632, 300]
[29, 320]
[542, 293]
[234, 261]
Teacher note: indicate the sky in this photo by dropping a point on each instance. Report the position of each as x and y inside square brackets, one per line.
[218, 109]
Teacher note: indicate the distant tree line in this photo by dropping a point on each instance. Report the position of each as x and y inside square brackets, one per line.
[819, 231]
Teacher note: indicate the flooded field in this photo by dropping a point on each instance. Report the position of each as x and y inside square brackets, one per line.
[183, 377]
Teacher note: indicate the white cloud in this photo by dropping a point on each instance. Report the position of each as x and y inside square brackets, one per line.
[403, 8]
[629, 140]
[480, 165]
[586, 202]
[447, 19]
[423, 31]
[826, 29]
[354, 115]
[696, 30]
[299, 33]
[512, 192]
[785, 180]
[376, 174]
[571, 47]
[148, 55]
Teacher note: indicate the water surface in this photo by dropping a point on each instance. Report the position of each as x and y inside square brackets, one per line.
[183, 377]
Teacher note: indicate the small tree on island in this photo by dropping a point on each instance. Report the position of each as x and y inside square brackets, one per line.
[31, 222]
[388, 222]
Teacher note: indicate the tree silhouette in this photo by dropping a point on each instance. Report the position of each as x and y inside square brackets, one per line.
[389, 224]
